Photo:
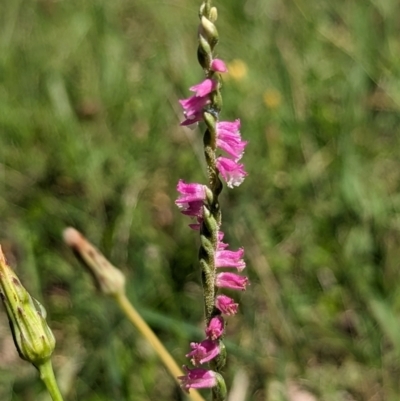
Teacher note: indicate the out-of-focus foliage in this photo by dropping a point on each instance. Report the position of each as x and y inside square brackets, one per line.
[90, 137]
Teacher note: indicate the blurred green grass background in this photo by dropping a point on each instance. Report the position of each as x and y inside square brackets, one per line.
[90, 137]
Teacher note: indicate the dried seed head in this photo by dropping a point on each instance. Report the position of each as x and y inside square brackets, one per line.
[108, 278]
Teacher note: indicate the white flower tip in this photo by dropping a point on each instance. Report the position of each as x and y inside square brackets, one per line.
[71, 236]
[234, 183]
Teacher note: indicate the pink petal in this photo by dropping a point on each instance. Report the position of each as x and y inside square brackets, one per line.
[229, 139]
[215, 328]
[196, 226]
[226, 305]
[204, 88]
[233, 173]
[221, 245]
[190, 192]
[218, 65]
[232, 281]
[193, 119]
[203, 352]
[227, 258]
[191, 198]
[197, 378]
[193, 106]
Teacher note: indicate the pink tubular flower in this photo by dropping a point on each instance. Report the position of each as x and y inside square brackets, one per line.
[203, 352]
[221, 245]
[226, 305]
[198, 378]
[194, 105]
[229, 139]
[193, 109]
[191, 198]
[215, 328]
[231, 280]
[204, 88]
[226, 258]
[232, 172]
[218, 65]
[190, 192]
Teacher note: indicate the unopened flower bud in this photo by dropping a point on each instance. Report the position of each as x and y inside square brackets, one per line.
[32, 336]
[209, 30]
[219, 390]
[210, 222]
[213, 14]
[211, 120]
[204, 52]
[109, 279]
[202, 9]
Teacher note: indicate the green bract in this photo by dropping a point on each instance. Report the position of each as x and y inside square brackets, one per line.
[32, 336]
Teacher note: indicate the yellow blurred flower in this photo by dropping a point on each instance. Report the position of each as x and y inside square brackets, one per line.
[272, 98]
[237, 70]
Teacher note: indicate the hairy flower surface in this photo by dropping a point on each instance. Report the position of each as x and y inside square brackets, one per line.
[233, 173]
[226, 305]
[203, 352]
[229, 139]
[198, 378]
[231, 280]
[215, 328]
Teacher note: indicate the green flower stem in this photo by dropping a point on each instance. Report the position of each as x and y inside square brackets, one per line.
[169, 362]
[47, 376]
[111, 282]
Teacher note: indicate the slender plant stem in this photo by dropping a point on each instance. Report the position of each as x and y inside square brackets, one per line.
[47, 376]
[142, 326]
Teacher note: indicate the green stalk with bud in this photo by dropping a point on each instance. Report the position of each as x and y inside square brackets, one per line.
[32, 336]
